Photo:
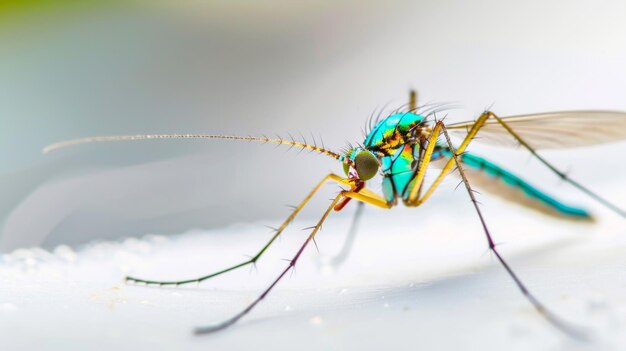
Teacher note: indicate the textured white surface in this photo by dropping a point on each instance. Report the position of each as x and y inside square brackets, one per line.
[415, 280]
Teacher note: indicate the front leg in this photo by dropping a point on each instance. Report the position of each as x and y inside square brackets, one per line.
[252, 260]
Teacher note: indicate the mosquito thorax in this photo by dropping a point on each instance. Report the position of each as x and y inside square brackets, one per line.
[365, 163]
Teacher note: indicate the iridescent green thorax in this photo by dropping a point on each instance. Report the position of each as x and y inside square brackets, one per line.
[395, 140]
[393, 132]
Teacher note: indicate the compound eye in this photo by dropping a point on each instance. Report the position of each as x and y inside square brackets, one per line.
[366, 165]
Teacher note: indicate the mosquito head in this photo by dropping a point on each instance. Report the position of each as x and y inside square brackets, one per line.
[364, 165]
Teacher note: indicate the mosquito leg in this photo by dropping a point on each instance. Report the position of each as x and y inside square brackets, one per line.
[412, 101]
[290, 266]
[253, 259]
[339, 258]
[547, 314]
[559, 173]
[369, 198]
[413, 197]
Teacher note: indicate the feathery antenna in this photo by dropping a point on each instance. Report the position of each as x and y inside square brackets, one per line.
[264, 139]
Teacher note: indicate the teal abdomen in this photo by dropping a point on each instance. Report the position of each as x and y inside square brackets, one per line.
[511, 180]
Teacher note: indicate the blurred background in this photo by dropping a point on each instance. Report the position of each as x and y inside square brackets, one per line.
[71, 69]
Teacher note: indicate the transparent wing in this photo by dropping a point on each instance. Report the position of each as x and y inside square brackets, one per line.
[551, 130]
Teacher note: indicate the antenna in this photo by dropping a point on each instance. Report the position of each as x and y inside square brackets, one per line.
[278, 140]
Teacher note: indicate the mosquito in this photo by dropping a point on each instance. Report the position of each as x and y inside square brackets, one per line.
[402, 148]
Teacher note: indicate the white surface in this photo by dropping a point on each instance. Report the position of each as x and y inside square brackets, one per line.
[417, 279]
